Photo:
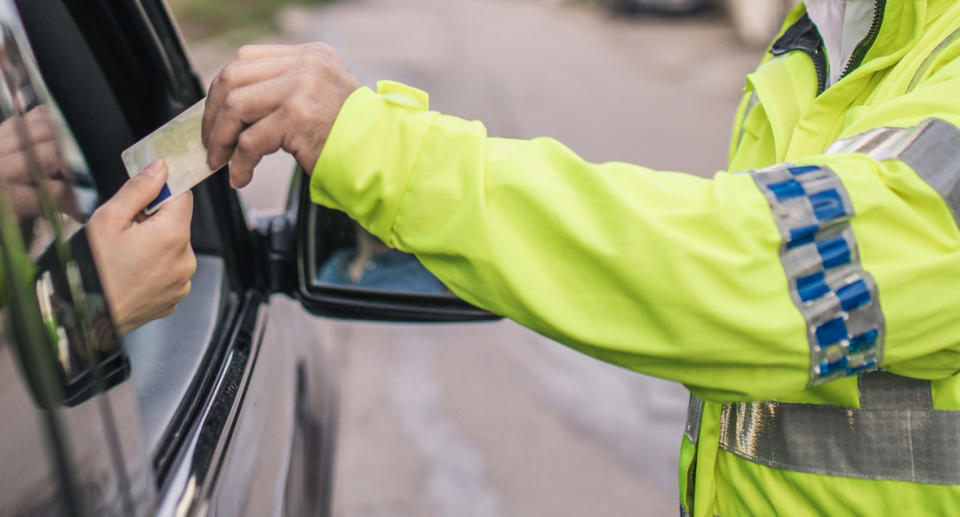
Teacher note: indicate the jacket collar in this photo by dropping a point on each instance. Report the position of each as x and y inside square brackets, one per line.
[892, 26]
[842, 24]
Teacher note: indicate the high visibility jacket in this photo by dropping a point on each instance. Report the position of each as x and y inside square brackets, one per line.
[775, 291]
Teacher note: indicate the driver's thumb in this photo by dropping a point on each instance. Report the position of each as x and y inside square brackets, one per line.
[140, 190]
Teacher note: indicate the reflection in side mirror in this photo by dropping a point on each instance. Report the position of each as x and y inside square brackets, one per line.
[344, 271]
[368, 263]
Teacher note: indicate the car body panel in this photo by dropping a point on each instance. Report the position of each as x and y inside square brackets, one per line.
[185, 335]
[215, 405]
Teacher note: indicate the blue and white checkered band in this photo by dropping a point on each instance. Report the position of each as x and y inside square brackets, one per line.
[837, 297]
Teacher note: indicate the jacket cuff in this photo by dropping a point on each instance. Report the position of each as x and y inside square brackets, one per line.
[370, 154]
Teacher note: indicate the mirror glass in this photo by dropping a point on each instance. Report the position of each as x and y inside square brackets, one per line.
[344, 255]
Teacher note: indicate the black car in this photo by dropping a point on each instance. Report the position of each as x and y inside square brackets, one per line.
[226, 407]
[657, 6]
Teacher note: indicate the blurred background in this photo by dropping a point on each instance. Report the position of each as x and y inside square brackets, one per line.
[492, 419]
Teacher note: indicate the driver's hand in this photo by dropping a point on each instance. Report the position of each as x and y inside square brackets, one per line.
[145, 263]
[274, 97]
[30, 142]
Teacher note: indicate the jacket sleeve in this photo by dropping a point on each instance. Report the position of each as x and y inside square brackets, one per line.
[661, 272]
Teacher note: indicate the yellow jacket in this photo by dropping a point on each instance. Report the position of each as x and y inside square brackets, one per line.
[767, 292]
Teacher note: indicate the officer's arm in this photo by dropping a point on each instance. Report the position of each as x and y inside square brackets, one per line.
[684, 278]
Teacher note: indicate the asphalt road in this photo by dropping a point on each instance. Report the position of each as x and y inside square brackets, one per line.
[492, 419]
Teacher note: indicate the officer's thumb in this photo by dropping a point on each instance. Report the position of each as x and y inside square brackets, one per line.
[139, 191]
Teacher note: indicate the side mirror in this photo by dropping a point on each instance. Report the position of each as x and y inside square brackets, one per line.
[345, 272]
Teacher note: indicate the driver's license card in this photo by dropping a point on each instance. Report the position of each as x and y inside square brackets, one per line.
[178, 143]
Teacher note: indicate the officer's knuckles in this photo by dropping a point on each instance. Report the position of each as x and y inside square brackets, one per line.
[318, 60]
[247, 52]
[247, 143]
[298, 109]
[305, 79]
[233, 104]
[229, 76]
[319, 46]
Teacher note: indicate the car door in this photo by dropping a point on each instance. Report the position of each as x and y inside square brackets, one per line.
[223, 436]
[65, 390]
[228, 406]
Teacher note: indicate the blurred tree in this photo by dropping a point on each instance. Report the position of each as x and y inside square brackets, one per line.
[204, 18]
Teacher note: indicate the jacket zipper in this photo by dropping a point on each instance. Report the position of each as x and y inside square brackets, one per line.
[819, 59]
[860, 52]
[805, 37]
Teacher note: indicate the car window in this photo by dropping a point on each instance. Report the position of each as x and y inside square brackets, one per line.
[64, 378]
[112, 91]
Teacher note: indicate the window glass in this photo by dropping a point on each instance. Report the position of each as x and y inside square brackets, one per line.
[63, 374]
[113, 91]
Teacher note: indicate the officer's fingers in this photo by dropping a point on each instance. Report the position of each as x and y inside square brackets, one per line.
[138, 192]
[318, 46]
[248, 52]
[238, 74]
[243, 107]
[263, 138]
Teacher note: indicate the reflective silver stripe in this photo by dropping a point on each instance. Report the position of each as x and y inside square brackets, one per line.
[836, 296]
[917, 77]
[692, 431]
[896, 436]
[694, 416]
[751, 104]
[882, 390]
[931, 148]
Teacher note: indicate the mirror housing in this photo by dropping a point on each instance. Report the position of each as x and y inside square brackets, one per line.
[316, 230]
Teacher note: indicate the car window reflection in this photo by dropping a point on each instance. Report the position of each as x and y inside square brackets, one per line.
[44, 217]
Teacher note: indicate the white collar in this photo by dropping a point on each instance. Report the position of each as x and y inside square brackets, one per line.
[843, 24]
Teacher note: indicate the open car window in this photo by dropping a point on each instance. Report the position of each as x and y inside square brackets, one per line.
[115, 80]
[64, 378]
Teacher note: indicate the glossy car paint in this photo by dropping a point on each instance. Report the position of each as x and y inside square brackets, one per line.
[253, 432]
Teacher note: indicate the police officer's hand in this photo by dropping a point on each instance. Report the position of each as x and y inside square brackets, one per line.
[274, 97]
[145, 263]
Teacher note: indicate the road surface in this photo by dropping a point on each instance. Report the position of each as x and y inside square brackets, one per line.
[492, 419]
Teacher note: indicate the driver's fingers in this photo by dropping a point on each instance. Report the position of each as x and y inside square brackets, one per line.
[174, 217]
[21, 132]
[15, 166]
